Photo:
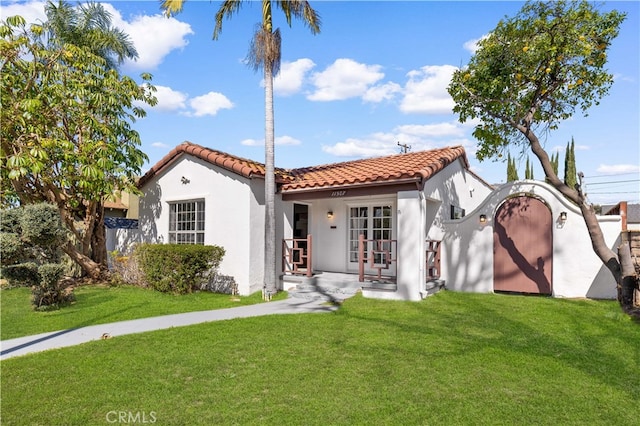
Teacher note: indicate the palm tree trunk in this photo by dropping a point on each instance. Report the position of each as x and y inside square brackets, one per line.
[270, 189]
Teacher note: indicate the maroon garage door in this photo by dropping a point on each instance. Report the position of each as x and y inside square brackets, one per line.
[523, 246]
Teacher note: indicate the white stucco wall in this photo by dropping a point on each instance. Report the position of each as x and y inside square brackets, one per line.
[467, 256]
[234, 215]
[452, 186]
[420, 216]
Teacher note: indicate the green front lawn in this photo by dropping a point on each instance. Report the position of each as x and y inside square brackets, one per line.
[451, 359]
[103, 304]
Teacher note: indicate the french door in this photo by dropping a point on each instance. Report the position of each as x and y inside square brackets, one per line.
[375, 222]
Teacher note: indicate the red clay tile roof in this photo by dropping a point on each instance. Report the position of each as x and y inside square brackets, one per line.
[414, 165]
[238, 165]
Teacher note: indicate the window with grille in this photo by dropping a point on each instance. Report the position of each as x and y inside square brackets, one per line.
[373, 222]
[186, 222]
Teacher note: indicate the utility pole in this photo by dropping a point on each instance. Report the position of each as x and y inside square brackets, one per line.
[404, 148]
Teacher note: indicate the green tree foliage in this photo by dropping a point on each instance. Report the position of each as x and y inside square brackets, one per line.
[570, 173]
[265, 54]
[532, 72]
[88, 25]
[512, 170]
[66, 135]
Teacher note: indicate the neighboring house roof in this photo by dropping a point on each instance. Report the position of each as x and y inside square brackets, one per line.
[633, 211]
[237, 165]
[414, 166]
[419, 165]
[116, 205]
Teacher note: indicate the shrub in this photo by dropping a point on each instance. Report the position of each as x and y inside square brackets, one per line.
[125, 270]
[10, 220]
[177, 268]
[22, 275]
[50, 293]
[12, 248]
[31, 233]
[41, 227]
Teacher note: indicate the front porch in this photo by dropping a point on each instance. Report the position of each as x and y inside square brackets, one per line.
[377, 270]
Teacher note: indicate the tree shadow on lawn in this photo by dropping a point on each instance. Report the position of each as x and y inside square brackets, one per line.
[474, 323]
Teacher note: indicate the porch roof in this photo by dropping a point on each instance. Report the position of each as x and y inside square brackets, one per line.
[417, 166]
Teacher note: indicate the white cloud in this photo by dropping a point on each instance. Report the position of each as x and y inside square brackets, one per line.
[418, 137]
[344, 79]
[373, 146]
[292, 76]
[433, 130]
[154, 36]
[382, 92]
[159, 145]
[426, 90]
[169, 99]
[615, 169]
[209, 104]
[280, 140]
[472, 45]
[32, 12]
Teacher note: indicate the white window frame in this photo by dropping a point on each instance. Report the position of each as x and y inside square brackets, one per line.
[370, 205]
[187, 222]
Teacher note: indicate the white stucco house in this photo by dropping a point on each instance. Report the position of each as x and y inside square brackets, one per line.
[397, 203]
[399, 226]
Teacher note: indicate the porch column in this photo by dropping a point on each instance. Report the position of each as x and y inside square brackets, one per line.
[411, 245]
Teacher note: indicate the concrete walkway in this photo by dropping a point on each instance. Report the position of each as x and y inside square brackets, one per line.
[75, 336]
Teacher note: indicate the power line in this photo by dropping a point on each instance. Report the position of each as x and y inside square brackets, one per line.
[613, 181]
[615, 174]
[613, 192]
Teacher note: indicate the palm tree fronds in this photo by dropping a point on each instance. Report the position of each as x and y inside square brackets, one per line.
[227, 9]
[171, 7]
[264, 50]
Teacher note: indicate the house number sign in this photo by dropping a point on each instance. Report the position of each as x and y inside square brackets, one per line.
[338, 193]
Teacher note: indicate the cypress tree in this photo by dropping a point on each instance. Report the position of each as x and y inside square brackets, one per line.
[528, 171]
[512, 171]
[570, 175]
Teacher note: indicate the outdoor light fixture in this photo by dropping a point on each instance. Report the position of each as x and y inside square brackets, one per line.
[483, 218]
[563, 216]
[329, 214]
[184, 180]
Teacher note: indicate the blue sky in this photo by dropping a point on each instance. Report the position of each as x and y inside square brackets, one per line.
[376, 75]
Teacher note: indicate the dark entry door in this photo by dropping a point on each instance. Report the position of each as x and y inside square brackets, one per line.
[523, 246]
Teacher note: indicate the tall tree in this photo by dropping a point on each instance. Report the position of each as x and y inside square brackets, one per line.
[66, 135]
[570, 173]
[265, 54]
[528, 170]
[512, 170]
[89, 26]
[530, 73]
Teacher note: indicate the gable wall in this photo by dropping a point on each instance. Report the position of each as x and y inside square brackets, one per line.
[232, 214]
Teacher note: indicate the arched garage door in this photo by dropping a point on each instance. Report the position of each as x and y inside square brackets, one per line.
[523, 246]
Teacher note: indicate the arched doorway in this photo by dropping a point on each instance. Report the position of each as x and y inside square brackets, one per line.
[523, 246]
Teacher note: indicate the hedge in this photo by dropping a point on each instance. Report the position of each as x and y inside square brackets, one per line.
[177, 268]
